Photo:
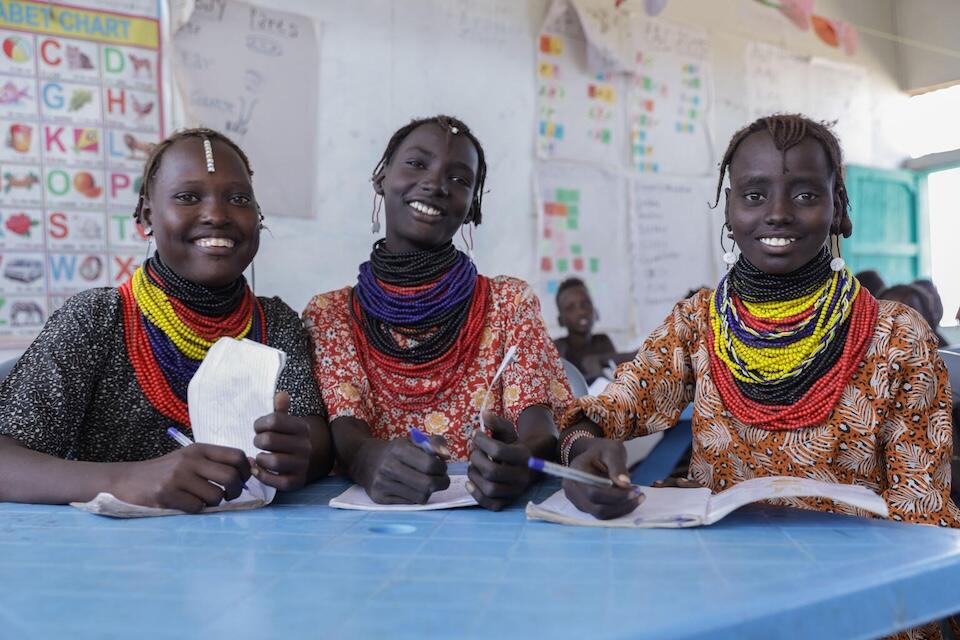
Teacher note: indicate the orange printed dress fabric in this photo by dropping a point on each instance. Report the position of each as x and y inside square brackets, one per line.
[890, 431]
[513, 318]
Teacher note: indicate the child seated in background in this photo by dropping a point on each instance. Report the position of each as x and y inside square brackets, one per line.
[587, 351]
[934, 306]
[872, 282]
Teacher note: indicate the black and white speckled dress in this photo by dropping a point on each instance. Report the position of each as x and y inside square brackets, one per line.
[74, 395]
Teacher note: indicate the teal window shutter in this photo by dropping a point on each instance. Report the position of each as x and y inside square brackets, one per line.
[889, 229]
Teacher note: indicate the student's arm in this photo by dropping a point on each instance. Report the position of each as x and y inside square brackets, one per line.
[604, 345]
[391, 471]
[179, 480]
[647, 395]
[916, 433]
[534, 392]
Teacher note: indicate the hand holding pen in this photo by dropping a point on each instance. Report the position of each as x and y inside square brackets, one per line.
[608, 460]
[569, 473]
[498, 471]
[405, 470]
[188, 478]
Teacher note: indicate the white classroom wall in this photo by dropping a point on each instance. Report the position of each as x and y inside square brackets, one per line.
[385, 61]
[934, 23]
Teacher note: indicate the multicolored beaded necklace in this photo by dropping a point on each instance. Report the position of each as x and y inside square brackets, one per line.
[417, 315]
[169, 324]
[782, 348]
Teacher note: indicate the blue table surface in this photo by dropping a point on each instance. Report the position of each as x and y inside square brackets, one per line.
[300, 569]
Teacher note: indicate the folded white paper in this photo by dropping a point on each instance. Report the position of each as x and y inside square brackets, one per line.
[106, 504]
[454, 496]
[234, 385]
[673, 508]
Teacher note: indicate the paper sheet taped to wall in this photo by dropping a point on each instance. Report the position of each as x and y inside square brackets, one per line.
[252, 73]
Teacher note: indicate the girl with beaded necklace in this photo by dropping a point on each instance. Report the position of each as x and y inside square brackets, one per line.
[417, 341]
[793, 368]
[87, 408]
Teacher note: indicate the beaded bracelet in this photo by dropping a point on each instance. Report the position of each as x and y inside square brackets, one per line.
[567, 444]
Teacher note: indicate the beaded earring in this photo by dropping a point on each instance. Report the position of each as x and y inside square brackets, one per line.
[375, 214]
[729, 257]
[149, 234]
[838, 263]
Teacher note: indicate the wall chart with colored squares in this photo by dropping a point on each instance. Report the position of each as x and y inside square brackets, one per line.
[572, 243]
[580, 113]
[80, 107]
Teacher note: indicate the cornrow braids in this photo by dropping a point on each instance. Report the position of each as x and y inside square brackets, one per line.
[152, 165]
[787, 131]
[450, 125]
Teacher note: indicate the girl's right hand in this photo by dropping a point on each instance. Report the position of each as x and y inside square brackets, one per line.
[398, 472]
[187, 479]
[606, 458]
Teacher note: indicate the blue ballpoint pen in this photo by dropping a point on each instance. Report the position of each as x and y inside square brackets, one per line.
[422, 440]
[560, 471]
[184, 441]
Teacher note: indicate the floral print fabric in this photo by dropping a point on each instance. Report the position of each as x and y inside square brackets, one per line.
[513, 318]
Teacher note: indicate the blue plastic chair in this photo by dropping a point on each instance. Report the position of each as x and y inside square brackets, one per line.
[578, 384]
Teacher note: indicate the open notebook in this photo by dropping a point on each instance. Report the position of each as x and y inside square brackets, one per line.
[234, 386]
[456, 495]
[674, 508]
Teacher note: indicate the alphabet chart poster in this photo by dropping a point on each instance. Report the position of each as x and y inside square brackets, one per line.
[582, 233]
[80, 108]
[579, 112]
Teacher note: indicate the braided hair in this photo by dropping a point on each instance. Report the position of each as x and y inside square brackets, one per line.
[787, 131]
[152, 165]
[448, 124]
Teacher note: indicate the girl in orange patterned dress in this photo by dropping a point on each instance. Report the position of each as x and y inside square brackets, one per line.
[793, 368]
[416, 343]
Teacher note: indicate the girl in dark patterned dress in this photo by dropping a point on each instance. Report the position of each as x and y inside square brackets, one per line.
[87, 408]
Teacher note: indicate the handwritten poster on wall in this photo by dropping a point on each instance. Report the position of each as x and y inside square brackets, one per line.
[781, 82]
[671, 228]
[582, 233]
[580, 115]
[80, 106]
[252, 73]
[619, 88]
[668, 99]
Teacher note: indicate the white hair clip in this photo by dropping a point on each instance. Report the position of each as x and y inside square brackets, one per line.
[454, 130]
[208, 154]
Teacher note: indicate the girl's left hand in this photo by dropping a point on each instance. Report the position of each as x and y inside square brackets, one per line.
[498, 472]
[286, 445]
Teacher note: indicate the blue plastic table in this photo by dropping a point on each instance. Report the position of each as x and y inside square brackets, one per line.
[300, 569]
